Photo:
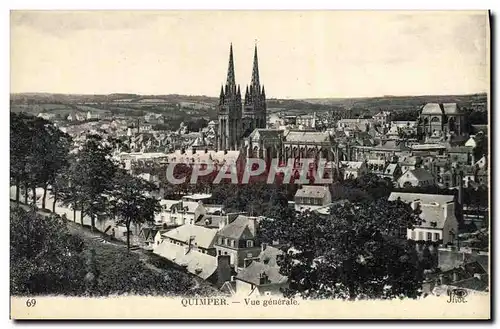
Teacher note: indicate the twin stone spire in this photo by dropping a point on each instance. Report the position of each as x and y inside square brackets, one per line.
[253, 90]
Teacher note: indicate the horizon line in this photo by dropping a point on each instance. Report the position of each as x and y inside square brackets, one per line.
[270, 98]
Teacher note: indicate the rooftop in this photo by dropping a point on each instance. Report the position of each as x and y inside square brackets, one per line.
[252, 273]
[201, 236]
[312, 191]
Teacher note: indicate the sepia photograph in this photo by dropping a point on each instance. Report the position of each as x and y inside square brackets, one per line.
[250, 164]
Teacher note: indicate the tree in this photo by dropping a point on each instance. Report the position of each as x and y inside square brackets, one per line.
[93, 173]
[20, 136]
[45, 257]
[357, 252]
[131, 201]
[57, 145]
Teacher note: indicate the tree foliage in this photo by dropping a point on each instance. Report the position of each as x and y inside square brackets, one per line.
[131, 201]
[45, 258]
[357, 252]
[93, 173]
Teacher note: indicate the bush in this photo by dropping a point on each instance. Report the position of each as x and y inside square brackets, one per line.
[45, 258]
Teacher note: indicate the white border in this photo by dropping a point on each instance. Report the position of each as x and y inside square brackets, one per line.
[200, 4]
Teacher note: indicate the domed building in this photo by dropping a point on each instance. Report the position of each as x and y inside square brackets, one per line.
[441, 120]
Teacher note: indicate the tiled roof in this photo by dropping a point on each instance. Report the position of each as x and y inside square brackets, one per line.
[202, 265]
[253, 272]
[269, 255]
[307, 137]
[238, 228]
[421, 174]
[266, 133]
[312, 191]
[433, 108]
[213, 221]
[424, 198]
[391, 167]
[202, 237]
[472, 284]
[431, 206]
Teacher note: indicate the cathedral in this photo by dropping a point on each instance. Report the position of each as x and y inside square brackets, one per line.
[239, 117]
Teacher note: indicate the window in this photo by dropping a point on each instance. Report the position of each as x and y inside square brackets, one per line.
[413, 234]
[220, 240]
[436, 237]
[249, 255]
[219, 252]
[420, 236]
[233, 243]
[225, 252]
[249, 243]
[429, 236]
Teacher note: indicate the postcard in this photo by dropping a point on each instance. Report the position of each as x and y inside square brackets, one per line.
[250, 165]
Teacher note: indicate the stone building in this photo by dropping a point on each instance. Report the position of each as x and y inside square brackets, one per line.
[440, 120]
[238, 119]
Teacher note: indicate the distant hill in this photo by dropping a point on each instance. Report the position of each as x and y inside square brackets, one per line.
[126, 102]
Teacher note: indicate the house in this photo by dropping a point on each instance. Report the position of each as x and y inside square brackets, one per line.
[195, 238]
[215, 269]
[439, 222]
[416, 178]
[179, 212]
[147, 237]
[47, 116]
[471, 277]
[238, 239]
[376, 166]
[260, 279]
[306, 121]
[482, 163]
[409, 162]
[354, 169]
[212, 221]
[383, 117]
[460, 154]
[310, 197]
[92, 115]
[158, 237]
[154, 118]
[392, 171]
[75, 116]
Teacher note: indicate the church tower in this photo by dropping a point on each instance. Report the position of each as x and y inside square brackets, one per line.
[229, 111]
[254, 109]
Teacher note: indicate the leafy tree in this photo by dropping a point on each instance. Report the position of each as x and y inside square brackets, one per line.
[45, 258]
[93, 174]
[357, 252]
[131, 201]
[20, 138]
[57, 145]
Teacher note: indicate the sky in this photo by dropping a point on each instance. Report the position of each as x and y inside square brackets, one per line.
[302, 54]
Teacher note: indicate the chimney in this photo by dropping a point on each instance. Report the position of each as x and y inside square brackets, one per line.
[206, 150]
[194, 150]
[415, 204]
[478, 276]
[264, 246]
[223, 269]
[455, 276]
[225, 151]
[263, 279]
[252, 225]
[183, 151]
[449, 209]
